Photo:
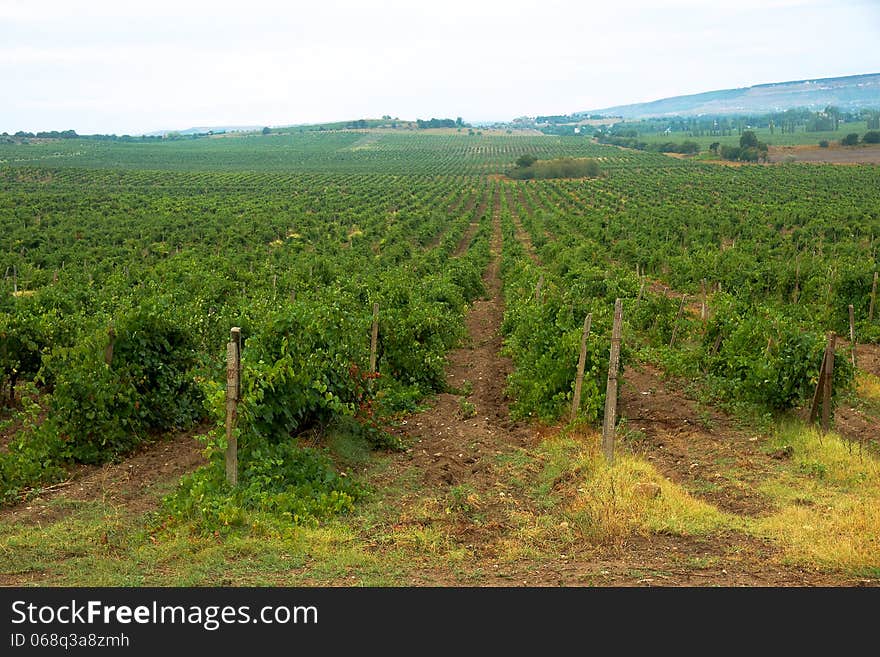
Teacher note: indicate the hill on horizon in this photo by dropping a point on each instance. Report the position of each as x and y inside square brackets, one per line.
[851, 92]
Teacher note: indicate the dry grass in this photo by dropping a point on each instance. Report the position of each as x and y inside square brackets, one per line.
[829, 502]
[868, 387]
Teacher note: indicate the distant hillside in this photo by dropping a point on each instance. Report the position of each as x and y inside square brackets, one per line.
[852, 92]
[205, 130]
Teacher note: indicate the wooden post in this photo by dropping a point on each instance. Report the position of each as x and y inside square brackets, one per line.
[797, 280]
[538, 287]
[873, 298]
[274, 286]
[820, 383]
[677, 317]
[608, 425]
[826, 393]
[233, 393]
[703, 309]
[852, 334]
[639, 297]
[374, 338]
[108, 350]
[582, 359]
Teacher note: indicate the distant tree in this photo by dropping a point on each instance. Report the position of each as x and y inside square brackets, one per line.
[730, 152]
[850, 140]
[833, 113]
[525, 160]
[871, 137]
[714, 147]
[266, 130]
[748, 139]
[823, 143]
[459, 122]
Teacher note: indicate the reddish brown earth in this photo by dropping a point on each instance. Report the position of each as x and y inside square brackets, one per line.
[851, 418]
[831, 155]
[130, 482]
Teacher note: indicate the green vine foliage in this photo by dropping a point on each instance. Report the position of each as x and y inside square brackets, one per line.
[101, 410]
[767, 358]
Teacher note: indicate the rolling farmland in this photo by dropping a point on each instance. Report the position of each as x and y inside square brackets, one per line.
[457, 460]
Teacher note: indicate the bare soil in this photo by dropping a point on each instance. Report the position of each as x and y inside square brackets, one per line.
[832, 155]
[850, 419]
[130, 482]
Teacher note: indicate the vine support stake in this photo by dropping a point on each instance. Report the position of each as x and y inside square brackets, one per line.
[873, 298]
[233, 394]
[582, 360]
[608, 425]
[819, 395]
[852, 334]
[704, 309]
[111, 341]
[826, 392]
[538, 287]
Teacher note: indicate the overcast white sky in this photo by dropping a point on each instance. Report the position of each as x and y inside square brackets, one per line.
[105, 66]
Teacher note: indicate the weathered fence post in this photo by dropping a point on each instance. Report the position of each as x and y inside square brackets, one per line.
[111, 341]
[704, 312]
[677, 318]
[582, 359]
[538, 287]
[852, 334]
[873, 298]
[233, 394]
[608, 425]
[826, 393]
[823, 385]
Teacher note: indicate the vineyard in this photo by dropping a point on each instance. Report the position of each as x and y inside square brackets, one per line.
[451, 454]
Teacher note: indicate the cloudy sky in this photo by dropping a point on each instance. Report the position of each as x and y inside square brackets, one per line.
[115, 66]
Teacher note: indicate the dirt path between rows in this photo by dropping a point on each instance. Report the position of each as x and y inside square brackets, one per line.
[451, 452]
[455, 444]
[472, 228]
